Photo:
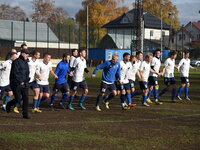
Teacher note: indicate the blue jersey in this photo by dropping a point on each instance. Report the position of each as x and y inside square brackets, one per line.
[110, 71]
[62, 70]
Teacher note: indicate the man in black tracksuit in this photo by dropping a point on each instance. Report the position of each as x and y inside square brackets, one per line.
[19, 78]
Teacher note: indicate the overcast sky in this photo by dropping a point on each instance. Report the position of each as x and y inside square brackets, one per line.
[188, 9]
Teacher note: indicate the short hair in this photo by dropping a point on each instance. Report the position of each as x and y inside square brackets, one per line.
[138, 52]
[23, 44]
[125, 54]
[46, 54]
[65, 55]
[186, 52]
[11, 54]
[148, 55]
[132, 56]
[114, 55]
[73, 50]
[157, 50]
[81, 50]
[35, 52]
[172, 53]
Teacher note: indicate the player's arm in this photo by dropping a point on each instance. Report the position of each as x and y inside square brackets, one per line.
[138, 74]
[2, 66]
[118, 74]
[101, 66]
[53, 74]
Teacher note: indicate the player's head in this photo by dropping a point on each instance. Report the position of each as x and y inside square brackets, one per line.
[13, 50]
[115, 58]
[66, 57]
[139, 55]
[133, 59]
[24, 46]
[148, 57]
[82, 53]
[46, 57]
[25, 53]
[186, 54]
[36, 54]
[157, 53]
[74, 52]
[173, 55]
[13, 56]
[126, 57]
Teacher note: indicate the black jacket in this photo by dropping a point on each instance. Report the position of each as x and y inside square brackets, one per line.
[19, 72]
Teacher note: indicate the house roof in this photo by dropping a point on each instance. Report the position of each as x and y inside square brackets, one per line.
[196, 24]
[150, 21]
[30, 31]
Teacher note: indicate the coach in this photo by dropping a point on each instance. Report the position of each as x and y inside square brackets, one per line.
[19, 78]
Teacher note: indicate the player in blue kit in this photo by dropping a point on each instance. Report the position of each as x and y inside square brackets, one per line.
[62, 70]
[111, 69]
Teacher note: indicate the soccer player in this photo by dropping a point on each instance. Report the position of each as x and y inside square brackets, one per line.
[61, 84]
[78, 79]
[184, 67]
[43, 71]
[168, 72]
[111, 69]
[153, 77]
[125, 67]
[132, 74]
[33, 64]
[5, 68]
[9, 53]
[144, 75]
[23, 46]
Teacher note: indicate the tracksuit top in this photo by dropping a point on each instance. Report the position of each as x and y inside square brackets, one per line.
[109, 71]
[61, 71]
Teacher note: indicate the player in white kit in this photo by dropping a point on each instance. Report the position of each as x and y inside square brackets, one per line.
[184, 68]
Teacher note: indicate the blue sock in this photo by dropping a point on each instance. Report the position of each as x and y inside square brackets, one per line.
[53, 97]
[155, 94]
[144, 99]
[179, 91]
[6, 99]
[64, 97]
[123, 98]
[163, 91]
[71, 99]
[99, 97]
[173, 93]
[35, 103]
[186, 91]
[135, 93]
[38, 102]
[128, 96]
[110, 96]
[82, 99]
[149, 93]
[42, 99]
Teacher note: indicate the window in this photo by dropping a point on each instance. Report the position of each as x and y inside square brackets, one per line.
[125, 20]
[151, 32]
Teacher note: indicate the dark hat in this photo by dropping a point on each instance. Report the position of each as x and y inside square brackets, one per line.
[25, 51]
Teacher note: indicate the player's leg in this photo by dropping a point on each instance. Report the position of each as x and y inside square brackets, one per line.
[187, 91]
[103, 89]
[34, 86]
[144, 88]
[167, 83]
[74, 87]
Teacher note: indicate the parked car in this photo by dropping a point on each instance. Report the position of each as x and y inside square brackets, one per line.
[195, 63]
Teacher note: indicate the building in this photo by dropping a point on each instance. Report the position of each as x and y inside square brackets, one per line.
[121, 30]
[187, 35]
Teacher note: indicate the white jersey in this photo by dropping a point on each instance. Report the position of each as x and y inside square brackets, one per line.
[132, 72]
[71, 62]
[33, 65]
[5, 68]
[145, 70]
[156, 63]
[43, 71]
[79, 65]
[139, 62]
[124, 69]
[169, 68]
[184, 66]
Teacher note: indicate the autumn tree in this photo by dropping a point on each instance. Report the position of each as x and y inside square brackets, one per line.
[100, 13]
[11, 13]
[169, 11]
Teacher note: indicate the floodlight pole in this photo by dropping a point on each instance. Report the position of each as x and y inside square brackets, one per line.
[87, 31]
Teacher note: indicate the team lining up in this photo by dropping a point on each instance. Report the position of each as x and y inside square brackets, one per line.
[117, 77]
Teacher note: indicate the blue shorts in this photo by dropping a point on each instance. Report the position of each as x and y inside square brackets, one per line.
[64, 88]
[5, 89]
[117, 85]
[33, 85]
[76, 85]
[44, 88]
[143, 85]
[132, 83]
[153, 81]
[125, 86]
[169, 81]
[105, 86]
[184, 80]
